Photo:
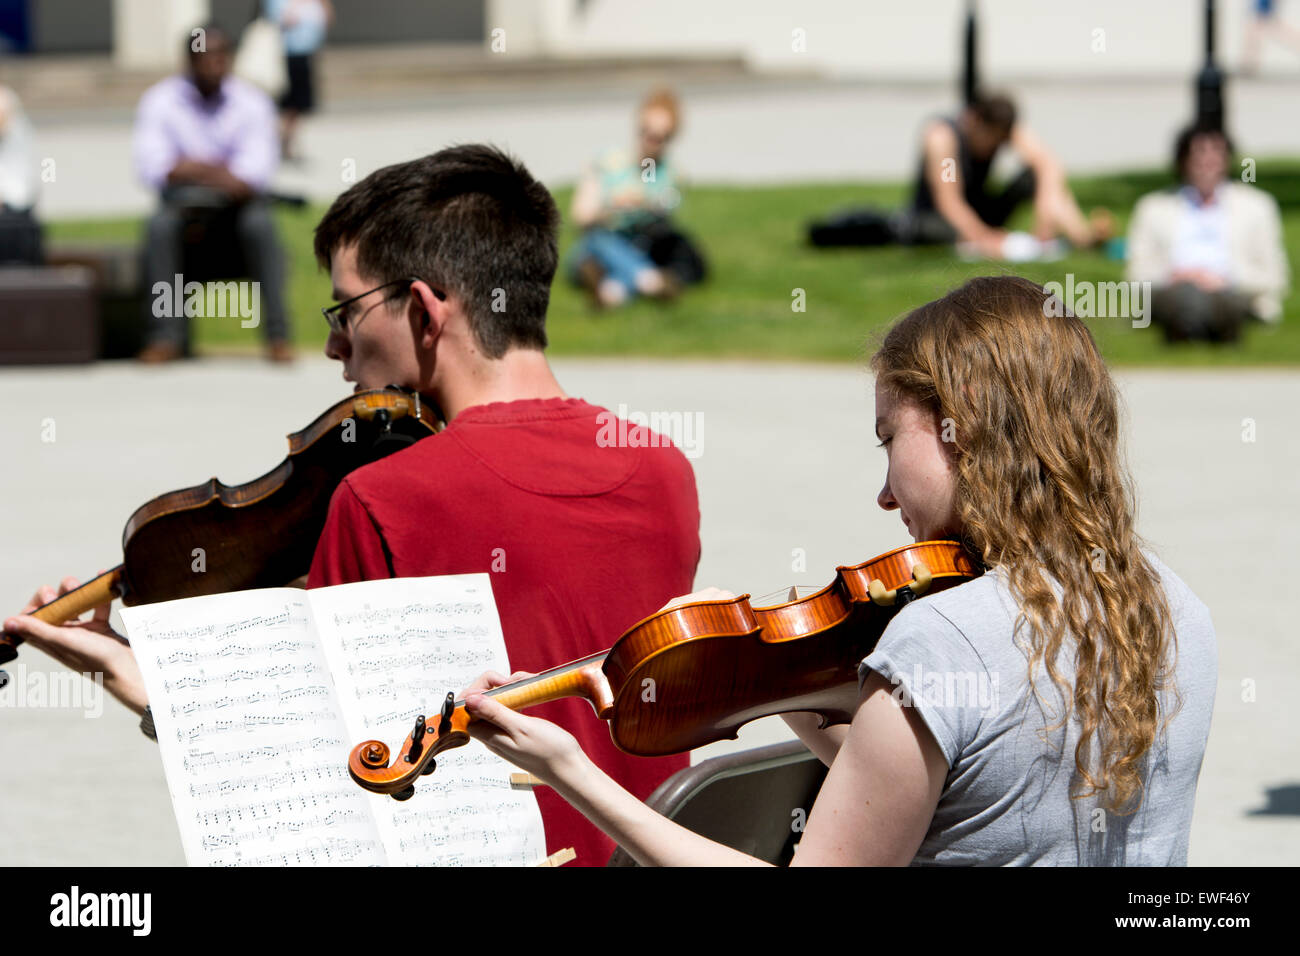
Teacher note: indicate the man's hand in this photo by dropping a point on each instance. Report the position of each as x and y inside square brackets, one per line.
[89, 646]
[213, 175]
[1103, 225]
[1203, 279]
[991, 245]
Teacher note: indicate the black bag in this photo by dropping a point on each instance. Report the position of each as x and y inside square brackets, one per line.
[671, 250]
[854, 227]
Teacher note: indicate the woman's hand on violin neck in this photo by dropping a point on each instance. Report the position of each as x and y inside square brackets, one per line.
[538, 746]
[708, 594]
[490, 679]
[86, 647]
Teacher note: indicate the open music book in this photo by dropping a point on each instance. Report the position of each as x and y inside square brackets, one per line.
[258, 697]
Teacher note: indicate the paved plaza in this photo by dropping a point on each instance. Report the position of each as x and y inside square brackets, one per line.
[785, 460]
[786, 454]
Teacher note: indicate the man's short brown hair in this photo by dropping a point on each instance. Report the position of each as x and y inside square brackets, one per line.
[995, 111]
[469, 219]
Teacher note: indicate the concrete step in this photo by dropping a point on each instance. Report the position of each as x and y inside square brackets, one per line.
[354, 74]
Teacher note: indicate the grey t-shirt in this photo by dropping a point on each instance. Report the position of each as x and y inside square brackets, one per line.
[1006, 799]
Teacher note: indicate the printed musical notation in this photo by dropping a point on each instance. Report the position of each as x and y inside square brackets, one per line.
[320, 851]
[258, 697]
[396, 649]
[272, 781]
[244, 674]
[244, 764]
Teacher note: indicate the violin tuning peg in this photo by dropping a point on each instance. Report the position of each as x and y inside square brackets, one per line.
[433, 765]
[417, 740]
[448, 708]
[403, 795]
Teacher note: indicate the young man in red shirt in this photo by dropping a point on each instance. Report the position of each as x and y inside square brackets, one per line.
[442, 270]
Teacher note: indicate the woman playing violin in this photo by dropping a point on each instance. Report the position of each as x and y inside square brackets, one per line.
[1054, 710]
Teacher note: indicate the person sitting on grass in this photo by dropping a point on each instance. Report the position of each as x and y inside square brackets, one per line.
[205, 141]
[629, 244]
[1211, 248]
[952, 203]
[21, 240]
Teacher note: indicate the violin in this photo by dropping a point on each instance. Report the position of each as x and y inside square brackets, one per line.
[214, 537]
[695, 673]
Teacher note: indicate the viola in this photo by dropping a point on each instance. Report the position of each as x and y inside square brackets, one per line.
[695, 673]
[214, 537]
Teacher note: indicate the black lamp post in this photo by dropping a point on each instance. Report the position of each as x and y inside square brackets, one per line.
[969, 77]
[1209, 81]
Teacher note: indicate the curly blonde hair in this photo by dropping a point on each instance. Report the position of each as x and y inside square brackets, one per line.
[1042, 493]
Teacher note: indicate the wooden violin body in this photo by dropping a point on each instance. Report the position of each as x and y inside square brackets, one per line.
[214, 538]
[694, 674]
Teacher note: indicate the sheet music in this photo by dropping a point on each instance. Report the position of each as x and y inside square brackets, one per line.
[396, 648]
[253, 745]
[259, 696]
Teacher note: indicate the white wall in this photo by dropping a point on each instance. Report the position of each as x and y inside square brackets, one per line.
[888, 39]
[147, 33]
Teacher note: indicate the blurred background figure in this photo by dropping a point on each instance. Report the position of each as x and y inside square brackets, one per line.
[20, 234]
[630, 245]
[303, 24]
[952, 203]
[207, 142]
[1212, 247]
[1265, 24]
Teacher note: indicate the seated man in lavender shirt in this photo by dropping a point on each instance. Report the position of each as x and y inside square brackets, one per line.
[207, 141]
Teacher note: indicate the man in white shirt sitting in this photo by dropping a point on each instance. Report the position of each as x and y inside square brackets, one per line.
[1212, 249]
[20, 234]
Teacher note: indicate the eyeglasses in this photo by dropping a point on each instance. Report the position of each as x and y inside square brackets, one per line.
[338, 316]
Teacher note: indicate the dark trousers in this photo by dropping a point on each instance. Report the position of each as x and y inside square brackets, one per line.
[918, 227]
[165, 257]
[20, 237]
[1186, 312]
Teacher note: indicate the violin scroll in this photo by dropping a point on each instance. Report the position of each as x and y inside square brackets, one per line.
[369, 767]
[368, 764]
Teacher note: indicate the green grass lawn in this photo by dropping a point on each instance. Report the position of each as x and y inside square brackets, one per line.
[754, 238]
